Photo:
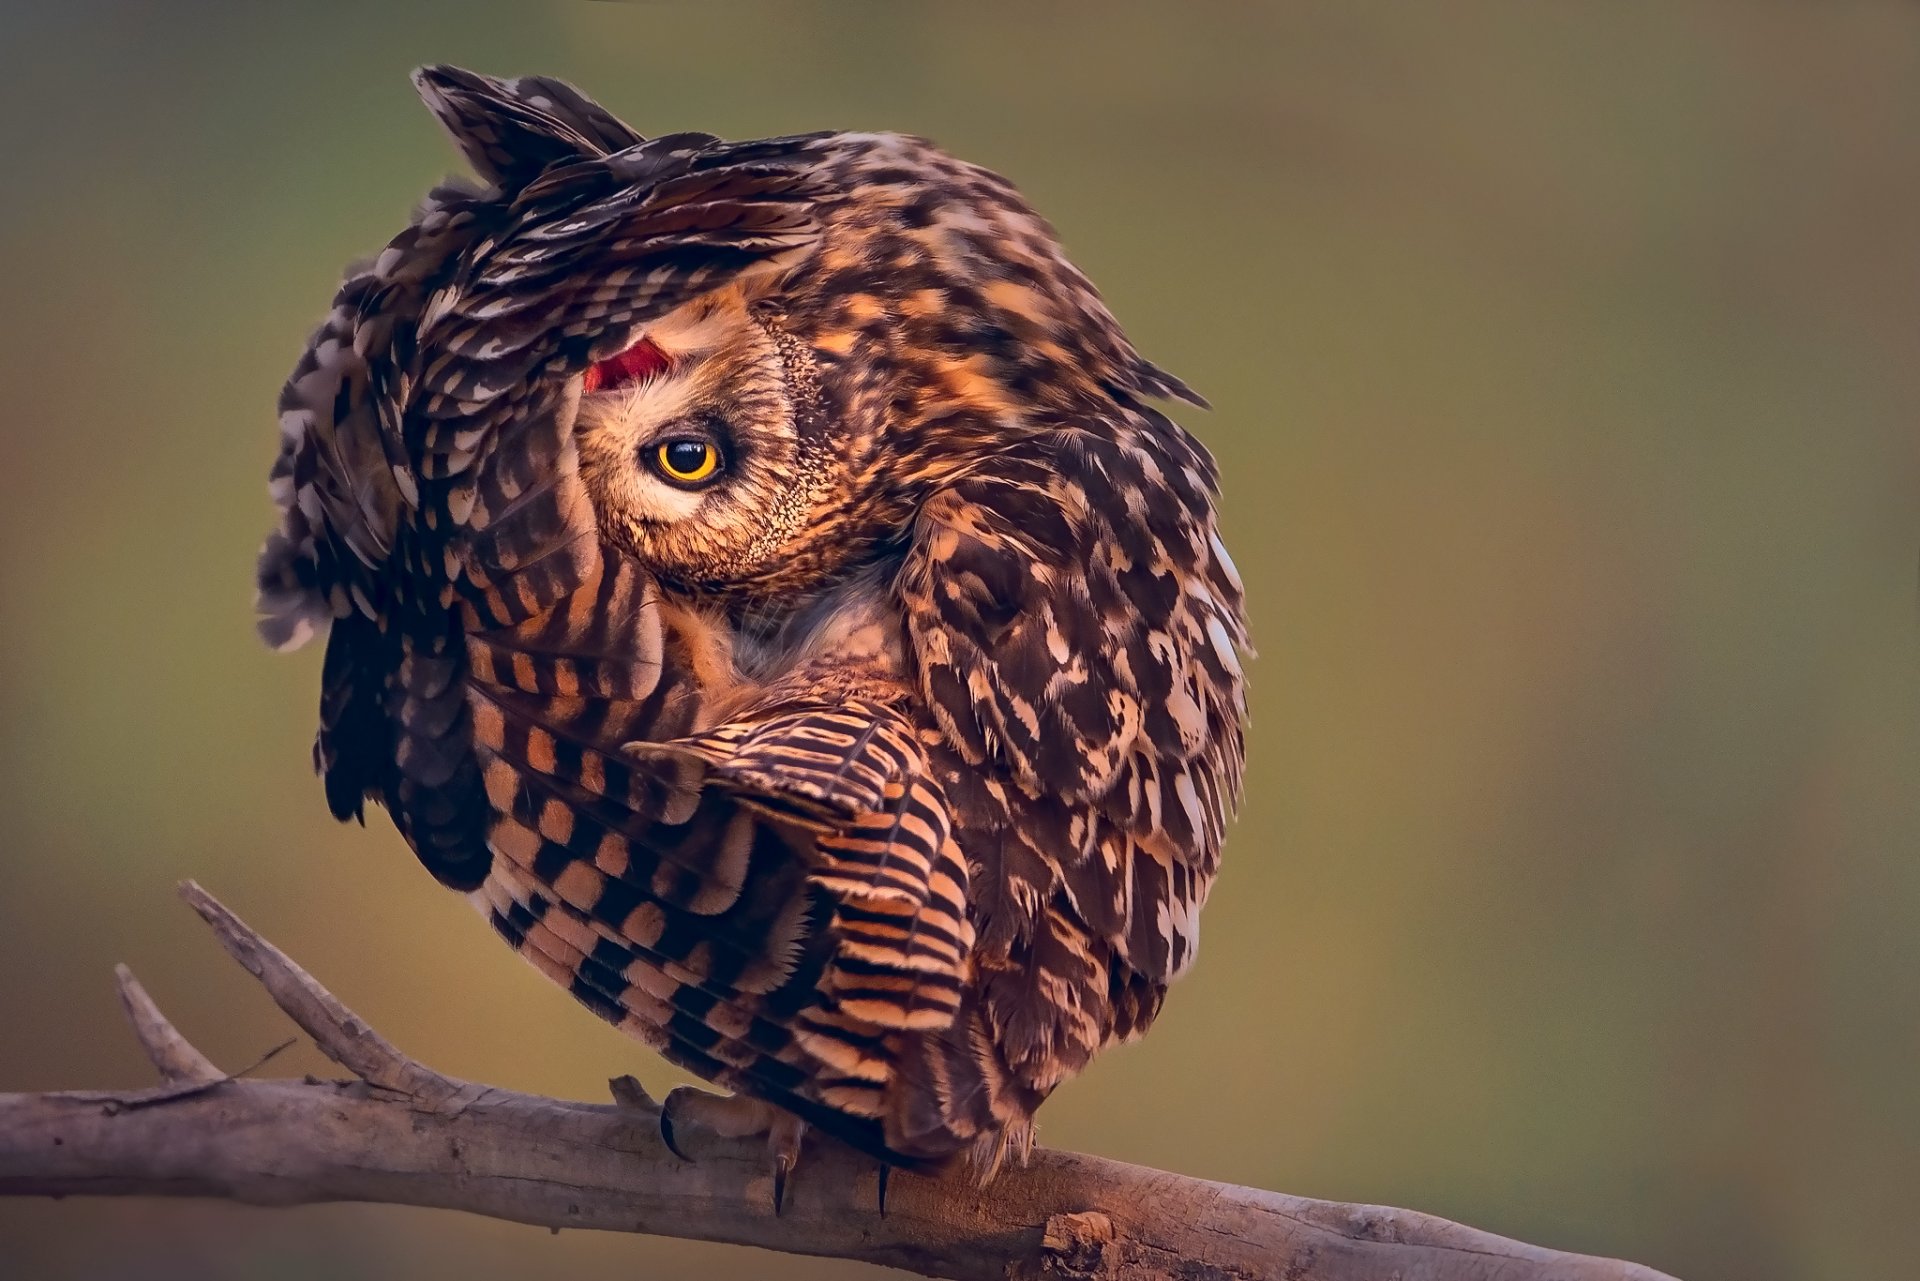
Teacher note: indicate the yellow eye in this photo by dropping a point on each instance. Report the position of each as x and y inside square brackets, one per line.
[686, 462]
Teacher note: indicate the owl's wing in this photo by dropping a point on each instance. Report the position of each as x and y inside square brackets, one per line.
[851, 788]
[765, 903]
[1078, 631]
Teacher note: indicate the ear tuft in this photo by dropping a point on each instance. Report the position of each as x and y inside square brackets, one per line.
[513, 130]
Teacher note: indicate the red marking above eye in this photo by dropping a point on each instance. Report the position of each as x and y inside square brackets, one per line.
[637, 364]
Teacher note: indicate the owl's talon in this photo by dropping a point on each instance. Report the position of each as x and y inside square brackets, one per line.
[784, 1133]
[666, 1131]
[781, 1166]
[880, 1188]
[735, 1116]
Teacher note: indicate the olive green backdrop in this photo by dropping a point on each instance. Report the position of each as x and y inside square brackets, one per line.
[1564, 362]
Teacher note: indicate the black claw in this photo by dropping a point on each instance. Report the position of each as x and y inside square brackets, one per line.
[666, 1134]
[779, 1187]
[886, 1172]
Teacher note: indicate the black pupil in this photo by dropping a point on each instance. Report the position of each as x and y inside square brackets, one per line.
[686, 456]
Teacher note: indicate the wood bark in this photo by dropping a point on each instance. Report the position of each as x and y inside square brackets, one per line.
[398, 1132]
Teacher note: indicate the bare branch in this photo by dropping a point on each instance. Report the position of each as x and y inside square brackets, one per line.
[176, 1061]
[406, 1135]
[342, 1035]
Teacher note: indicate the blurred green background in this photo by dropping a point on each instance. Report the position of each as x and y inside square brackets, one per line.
[1567, 396]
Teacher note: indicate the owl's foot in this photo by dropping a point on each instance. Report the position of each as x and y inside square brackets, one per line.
[736, 1116]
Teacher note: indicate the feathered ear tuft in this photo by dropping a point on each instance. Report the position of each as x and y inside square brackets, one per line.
[512, 130]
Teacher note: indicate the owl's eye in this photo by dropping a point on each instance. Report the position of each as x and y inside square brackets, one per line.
[686, 461]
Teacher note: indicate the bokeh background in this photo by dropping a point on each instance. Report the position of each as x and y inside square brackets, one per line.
[1567, 396]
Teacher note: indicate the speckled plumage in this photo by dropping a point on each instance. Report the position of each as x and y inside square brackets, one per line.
[880, 777]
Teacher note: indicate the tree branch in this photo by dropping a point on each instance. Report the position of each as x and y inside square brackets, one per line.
[400, 1133]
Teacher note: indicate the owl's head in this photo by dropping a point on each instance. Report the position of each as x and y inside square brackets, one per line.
[774, 351]
[703, 447]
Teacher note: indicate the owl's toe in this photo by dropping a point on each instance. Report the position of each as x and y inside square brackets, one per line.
[735, 1116]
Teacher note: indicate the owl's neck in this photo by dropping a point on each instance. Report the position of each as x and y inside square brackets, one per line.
[850, 623]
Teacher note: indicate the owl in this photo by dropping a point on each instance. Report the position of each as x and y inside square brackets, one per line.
[761, 577]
